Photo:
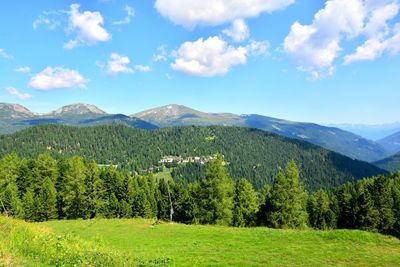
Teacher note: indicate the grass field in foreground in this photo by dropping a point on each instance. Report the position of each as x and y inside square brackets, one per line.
[194, 245]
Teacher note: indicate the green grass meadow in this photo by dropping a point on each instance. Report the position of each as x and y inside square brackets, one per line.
[140, 242]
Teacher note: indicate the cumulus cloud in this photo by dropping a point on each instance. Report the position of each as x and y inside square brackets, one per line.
[209, 57]
[88, 27]
[25, 69]
[57, 78]
[378, 34]
[215, 12]
[238, 31]
[120, 64]
[130, 13]
[22, 96]
[316, 46]
[4, 54]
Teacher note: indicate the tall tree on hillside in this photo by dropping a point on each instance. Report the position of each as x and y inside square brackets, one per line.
[95, 192]
[320, 213]
[245, 204]
[286, 206]
[47, 200]
[382, 194]
[216, 191]
[75, 190]
[367, 214]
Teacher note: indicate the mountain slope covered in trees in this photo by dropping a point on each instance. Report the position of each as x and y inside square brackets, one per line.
[252, 154]
[391, 163]
[331, 138]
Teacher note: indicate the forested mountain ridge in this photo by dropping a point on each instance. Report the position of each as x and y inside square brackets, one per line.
[391, 163]
[331, 138]
[251, 153]
[391, 143]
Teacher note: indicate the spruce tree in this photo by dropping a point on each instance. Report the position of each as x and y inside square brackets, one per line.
[245, 204]
[216, 191]
[47, 200]
[286, 206]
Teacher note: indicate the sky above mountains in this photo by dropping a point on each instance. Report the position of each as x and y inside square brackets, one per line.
[333, 61]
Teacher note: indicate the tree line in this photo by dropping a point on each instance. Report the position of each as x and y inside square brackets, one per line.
[43, 188]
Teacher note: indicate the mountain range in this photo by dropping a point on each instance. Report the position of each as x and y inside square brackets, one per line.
[14, 117]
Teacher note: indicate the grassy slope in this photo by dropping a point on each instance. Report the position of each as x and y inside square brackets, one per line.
[190, 245]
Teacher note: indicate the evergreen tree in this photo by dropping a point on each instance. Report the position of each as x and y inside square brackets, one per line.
[11, 202]
[382, 194]
[320, 212]
[28, 204]
[367, 214]
[245, 204]
[286, 206]
[74, 195]
[47, 200]
[216, 190]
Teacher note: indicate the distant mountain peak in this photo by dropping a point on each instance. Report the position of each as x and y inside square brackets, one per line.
[78, 109]
[166, 112]
[15, 111]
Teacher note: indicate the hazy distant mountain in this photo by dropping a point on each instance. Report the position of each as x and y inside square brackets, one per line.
[177, 115]
[391, 143]
[390, 164]
[15, 117]
[76, 109]
[14, 111]
[331, 138]
[372, 131]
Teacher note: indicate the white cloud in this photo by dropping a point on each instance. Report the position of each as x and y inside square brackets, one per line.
[370, 50]
[257, 48]
[118, 64]
[48, 19]
[4, 54]
[14, 92]
[142, 68]
[238, 31]
[24, 69]
[314, 47]
[57, 78]
[88, 27]
[209, 57]
[215, 12]
[162, 54]
[377, 31]
[393, 43]
[130, 13]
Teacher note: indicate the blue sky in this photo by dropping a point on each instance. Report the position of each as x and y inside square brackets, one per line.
[333, 61]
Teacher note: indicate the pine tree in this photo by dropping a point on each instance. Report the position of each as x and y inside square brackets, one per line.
[382, 195]
[286, 206]
[245, 204]
[216, 191]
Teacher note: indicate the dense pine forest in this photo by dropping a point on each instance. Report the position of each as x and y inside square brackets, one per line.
[42, 188]
[252, 154]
